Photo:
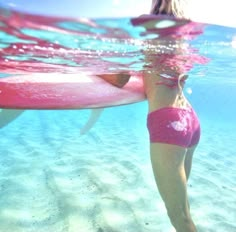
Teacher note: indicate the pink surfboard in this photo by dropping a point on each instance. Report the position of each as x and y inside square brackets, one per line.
[66, 91]
[51, 74]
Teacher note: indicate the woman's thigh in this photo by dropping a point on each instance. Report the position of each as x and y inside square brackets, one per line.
[168, 167]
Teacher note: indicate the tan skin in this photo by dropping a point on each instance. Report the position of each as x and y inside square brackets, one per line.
[117, 79]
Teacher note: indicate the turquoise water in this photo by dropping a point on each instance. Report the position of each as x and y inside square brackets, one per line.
[53, 179]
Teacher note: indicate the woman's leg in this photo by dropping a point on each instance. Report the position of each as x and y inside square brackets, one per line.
[188, 161]
[168, 162]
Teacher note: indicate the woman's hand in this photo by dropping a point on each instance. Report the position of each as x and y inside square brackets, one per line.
[117, 79]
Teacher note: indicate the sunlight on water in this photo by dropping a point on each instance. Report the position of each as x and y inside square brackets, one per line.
[117, 44]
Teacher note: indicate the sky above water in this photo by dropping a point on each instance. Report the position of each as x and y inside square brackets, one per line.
[211, 11]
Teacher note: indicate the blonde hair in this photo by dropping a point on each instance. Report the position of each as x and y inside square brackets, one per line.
[177, 8]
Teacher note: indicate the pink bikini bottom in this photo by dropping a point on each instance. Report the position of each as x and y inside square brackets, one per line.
[174, 126]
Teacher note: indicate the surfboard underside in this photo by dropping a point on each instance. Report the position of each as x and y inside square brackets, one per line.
[66, 91]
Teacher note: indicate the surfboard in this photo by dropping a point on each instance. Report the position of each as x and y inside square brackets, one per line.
[66, 91]
[55, 63]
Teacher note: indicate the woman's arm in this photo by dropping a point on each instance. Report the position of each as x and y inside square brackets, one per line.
[117, 79]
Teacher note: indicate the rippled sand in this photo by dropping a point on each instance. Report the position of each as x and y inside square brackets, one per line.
[52, 179]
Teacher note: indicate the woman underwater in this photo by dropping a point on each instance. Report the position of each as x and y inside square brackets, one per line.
[174, 129]
[173, 125]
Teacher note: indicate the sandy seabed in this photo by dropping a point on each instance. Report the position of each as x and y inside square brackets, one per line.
[54, 180]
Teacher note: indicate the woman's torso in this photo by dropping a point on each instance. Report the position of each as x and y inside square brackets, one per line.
[162, 92]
